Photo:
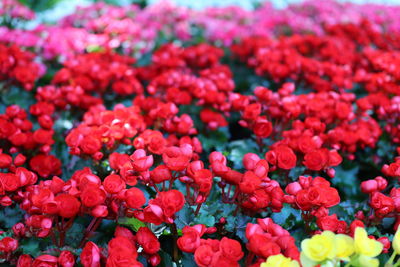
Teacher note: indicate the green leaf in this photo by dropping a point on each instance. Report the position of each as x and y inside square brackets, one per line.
[238, 149]
[133, 223]
[30, 246]
[241, 224]
[287, 217]
[166, 260]
[345, 181]
[237, 225]
[188, 260]
[346, 209]
[9, 216]
[208, 220]
[16, 96]
[40, 5]
[184, 217]
[94, 48]
[297, 171]
[214, 140]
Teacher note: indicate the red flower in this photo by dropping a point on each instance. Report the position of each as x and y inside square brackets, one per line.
[334, 158]
[262, 127]
[122, 259]
[330, 196]
[190, 240]
[220, 260]
[141, 162]
[172, 201]
[232, 177]
[369, 186]
[147, 240]
[250, 161]
[121, 243]
[9, 181]
[316, 160]
[330, 223]
[231, 249]
[121, 252]
[203, 178]
[68, 206]
[252, 111]
[160, 174]
[381, 204]
[286, 158]
[203, 256]
[8, 244]
[92, 196]
[307, 144]
[45, 261]
[121, 231]
[385, 242]
[177, 158]
[250, 182]
[134, 198]
[90, 255]
[117, 160]
[213, 119]
[302, 200]
[262, 245]
[24, 261]
[90, 145]
[113, 184]
[66, 259]
[45, 165]
[5, 161]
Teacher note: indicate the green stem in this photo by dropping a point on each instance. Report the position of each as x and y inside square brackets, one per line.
[197, 209]
[175, 252]
[391, 259]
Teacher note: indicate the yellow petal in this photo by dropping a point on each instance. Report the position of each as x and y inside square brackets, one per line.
[279, 261]
[305, 261]
[364, 245]
[344, 246]
[320, 247]
[396, 241]
[365, 261]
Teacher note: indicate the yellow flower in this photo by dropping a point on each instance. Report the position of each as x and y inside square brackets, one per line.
[306, 262]
[279, 261]
[364, 245]
[396, 241]
[319, 247]
[344, 246]
[365, 261]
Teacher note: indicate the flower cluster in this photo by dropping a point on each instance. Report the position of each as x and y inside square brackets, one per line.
[102, 127]
[13, 10]
[328, 247]
[209, 252]
[163, 136]
[267, 239]
[17, 129]
[92, 72]
[136, 30]
[18, 66]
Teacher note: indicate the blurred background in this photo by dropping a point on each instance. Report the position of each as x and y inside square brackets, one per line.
[52, 10]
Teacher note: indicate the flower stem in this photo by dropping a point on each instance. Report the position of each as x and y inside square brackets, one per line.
[197, 209]
[91, 228]
[175, 252]
[391, 259]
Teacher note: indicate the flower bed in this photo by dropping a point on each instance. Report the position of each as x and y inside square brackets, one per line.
[165, 136]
